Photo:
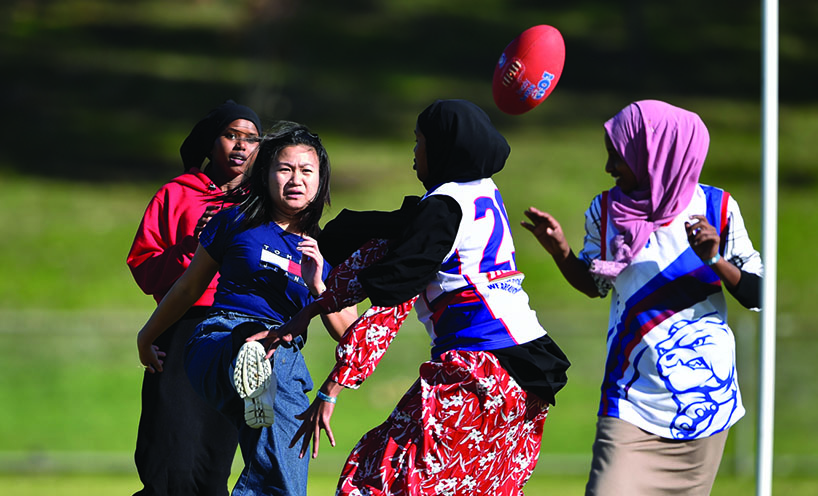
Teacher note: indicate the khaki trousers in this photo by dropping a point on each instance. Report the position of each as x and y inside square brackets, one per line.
[630, 461]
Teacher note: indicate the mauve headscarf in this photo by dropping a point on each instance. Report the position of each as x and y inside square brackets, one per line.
[665, 147]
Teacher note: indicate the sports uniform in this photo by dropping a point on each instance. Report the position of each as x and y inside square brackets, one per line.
[671, 355]
[472, 423]
[670, 388]
[670, 368]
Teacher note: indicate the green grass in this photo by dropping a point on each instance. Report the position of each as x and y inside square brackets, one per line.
[70, 306]
[324, 484]
[109, 90]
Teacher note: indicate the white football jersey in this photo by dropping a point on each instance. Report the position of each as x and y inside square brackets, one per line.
[476, 301]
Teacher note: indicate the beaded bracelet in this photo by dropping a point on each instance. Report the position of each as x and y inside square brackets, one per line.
[713, 260]
[323, 397]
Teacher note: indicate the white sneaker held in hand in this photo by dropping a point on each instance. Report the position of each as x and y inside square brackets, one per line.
[254, 382]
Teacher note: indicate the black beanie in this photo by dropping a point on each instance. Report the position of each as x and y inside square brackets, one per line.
[199, 142]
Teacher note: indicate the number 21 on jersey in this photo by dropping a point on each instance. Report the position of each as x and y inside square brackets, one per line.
[493, 227]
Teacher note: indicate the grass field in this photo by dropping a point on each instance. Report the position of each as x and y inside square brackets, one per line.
[97, 79]
[105, 485]
[70, 307]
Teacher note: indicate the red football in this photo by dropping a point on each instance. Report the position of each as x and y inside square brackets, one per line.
[528, 70]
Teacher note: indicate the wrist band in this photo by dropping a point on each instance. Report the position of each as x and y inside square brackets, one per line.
[713, 260]
[323, 397]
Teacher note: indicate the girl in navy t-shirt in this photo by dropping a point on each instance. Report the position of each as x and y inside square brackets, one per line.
[270, 267]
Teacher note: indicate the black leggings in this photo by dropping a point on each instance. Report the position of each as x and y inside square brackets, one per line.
[183, 446]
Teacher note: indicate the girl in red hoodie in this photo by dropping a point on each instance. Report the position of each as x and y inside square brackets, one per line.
[184, 446]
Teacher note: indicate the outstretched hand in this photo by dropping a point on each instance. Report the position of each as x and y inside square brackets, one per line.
[548, 232]
[315, 418]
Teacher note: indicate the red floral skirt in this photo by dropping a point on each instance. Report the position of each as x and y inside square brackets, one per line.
[464, 428]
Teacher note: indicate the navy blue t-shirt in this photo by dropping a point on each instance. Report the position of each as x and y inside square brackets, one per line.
[260, 270]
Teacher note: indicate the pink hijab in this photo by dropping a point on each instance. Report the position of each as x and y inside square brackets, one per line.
[665, 147]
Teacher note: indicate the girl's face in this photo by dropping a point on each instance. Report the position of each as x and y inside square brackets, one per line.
[421, 166]
[234, 150]
[618, 169]
[293, 179]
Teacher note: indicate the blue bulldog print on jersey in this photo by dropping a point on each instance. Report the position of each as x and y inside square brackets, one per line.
[699, 375]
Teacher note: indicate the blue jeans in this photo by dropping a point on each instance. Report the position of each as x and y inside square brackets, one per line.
[270, 466]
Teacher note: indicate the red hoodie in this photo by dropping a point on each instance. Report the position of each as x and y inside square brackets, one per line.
[164, 243]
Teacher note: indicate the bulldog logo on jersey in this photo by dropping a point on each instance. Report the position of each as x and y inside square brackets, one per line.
[702, 381]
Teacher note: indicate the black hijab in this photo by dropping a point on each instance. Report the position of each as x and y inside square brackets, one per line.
[461, 143]
[199, 142]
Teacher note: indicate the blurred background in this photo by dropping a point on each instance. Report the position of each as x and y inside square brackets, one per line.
[97, 97]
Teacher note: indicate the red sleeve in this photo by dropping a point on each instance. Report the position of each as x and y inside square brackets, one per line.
[343, 288]
[366, 341]
[164, 243]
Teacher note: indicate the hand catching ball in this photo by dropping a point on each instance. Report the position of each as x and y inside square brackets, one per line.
[528, 69]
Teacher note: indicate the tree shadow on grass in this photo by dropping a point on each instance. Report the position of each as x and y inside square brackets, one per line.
[111, 101]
